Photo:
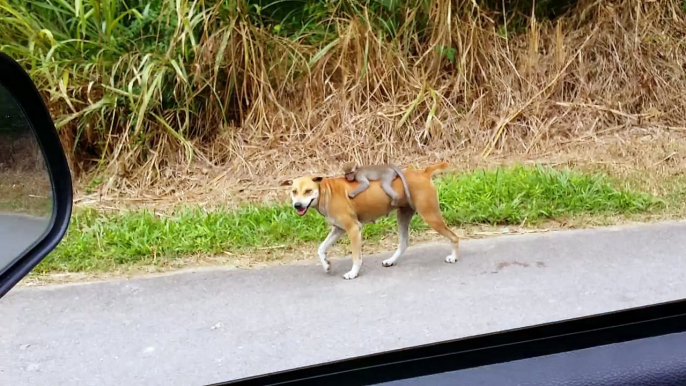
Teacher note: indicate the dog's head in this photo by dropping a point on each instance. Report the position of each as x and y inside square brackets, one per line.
[304, 192]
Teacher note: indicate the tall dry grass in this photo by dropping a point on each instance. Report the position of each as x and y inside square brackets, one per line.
[139, 88]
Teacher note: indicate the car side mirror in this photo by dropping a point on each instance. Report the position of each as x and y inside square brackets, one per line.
[35, 182]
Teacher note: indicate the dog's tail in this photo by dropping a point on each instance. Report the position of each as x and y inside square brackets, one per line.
[430, 170]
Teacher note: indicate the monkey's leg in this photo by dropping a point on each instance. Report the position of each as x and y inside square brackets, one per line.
[363, 185]
[386, 186]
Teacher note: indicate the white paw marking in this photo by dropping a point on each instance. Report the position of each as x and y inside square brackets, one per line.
[350, 275]
[451, 258]
[388, 262]
[327, 267]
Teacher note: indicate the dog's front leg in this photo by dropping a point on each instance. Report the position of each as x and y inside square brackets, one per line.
[330, 240]
[355, 235]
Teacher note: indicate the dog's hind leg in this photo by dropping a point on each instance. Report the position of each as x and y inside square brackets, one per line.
[436, 222]
[428, 208]
[404, 218]
[330, 240]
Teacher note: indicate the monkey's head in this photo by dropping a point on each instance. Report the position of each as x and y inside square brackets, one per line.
[304, 192]
[349, 171]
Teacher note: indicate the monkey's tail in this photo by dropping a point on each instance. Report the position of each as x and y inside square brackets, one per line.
[430, 170]
[407, 189]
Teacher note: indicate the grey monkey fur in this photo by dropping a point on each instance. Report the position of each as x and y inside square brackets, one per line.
[384, 173]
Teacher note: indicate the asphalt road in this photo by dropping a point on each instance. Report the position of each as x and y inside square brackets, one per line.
[209, 326]
[17, 233]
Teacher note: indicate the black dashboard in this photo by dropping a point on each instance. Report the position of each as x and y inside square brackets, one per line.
[657, 361]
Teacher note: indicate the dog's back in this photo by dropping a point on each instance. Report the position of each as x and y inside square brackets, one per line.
[374, 202]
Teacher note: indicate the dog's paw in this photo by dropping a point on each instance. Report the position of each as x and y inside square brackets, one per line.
[327, 267]
[451, 258]
[350, 275]
[388, 263]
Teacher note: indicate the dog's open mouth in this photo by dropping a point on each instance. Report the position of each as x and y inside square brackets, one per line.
[302, 211]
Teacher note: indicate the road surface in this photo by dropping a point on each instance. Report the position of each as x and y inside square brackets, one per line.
[17, 233]
[210, 326]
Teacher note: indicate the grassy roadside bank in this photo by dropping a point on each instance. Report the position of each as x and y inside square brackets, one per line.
[101, 242]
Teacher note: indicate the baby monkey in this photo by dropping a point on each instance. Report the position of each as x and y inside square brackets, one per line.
[385, 173]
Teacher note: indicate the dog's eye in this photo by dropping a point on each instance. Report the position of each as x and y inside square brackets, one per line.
[308, 191]
[295, 191]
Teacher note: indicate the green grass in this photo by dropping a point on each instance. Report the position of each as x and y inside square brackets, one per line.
[101, 242]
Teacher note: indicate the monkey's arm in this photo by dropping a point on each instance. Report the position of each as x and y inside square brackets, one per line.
[363, 185]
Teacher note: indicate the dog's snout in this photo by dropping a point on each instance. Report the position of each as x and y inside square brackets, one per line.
[298, 205]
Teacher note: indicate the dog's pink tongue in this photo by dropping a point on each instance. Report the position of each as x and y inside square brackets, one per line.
[302, 211]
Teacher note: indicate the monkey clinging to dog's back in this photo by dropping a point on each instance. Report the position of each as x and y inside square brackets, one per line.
[384, 173]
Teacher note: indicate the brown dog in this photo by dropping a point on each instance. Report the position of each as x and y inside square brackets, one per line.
[329, 196]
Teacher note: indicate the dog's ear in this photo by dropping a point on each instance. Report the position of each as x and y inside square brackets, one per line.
[286, 182]
[317, 179]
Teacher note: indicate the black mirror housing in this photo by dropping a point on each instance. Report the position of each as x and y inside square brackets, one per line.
[16, 81]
